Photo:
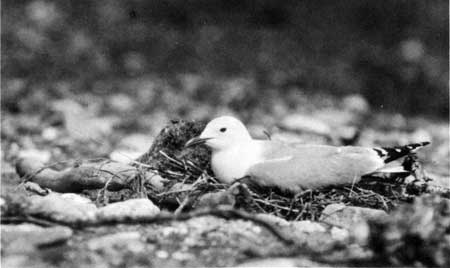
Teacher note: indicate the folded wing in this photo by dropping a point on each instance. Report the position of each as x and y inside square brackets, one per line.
[294, 167]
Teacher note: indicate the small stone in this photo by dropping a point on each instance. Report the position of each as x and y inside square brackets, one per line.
[308, 226]
[162, 254]
[121, 102]
[182, 256]
[356, 103]
[138, 142]
[132, 208]
[216, 199]
[282, 262]
[347, 216]
[24, 237]
[58, 208]
[124, 156]
[155, 181]
[421, 135]
[300, 122]
[118, 240]
[412, 50]
[360, 233]
[39, 155]
[273, 219]
[50, 133]
[77, 198]
[339, 234]
[439, 180]
[3, 206]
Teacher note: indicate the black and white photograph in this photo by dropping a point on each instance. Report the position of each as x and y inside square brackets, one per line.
[224, 133]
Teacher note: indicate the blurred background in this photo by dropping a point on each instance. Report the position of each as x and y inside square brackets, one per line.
[195, 59]
[235, 54]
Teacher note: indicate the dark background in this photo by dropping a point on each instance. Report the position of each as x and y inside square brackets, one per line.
[394, 53]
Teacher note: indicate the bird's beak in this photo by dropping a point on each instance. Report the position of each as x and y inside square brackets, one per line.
[195, 141]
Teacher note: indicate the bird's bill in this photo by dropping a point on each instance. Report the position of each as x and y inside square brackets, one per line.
[195, 141]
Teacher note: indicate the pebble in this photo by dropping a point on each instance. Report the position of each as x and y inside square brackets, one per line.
[40, 155]
[25, 237]
[339, 234]
[124, 156]
[57, 207]
[121, 240]
[308, 226]
[348, 216]
[121, 103]
[132, 208]
[273, 219]
[50, 133]
[282, 262]
[162, 254]
[300, 122]
[356, 103]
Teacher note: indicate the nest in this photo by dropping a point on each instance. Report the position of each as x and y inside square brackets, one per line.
[190, 183]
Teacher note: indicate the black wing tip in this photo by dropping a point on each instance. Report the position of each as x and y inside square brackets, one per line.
[389, 154]
[414, 146]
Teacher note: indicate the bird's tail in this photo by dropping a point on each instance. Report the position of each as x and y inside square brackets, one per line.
[389, 154]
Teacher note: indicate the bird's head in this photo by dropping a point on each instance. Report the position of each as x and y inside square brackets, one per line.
[221, 133]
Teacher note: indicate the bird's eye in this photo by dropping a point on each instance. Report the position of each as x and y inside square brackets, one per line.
[223, 129]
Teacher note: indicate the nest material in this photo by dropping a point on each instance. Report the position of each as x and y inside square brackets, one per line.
[189, 180]
[168, 156]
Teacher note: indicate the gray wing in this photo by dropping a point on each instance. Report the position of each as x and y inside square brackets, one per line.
[294, 167]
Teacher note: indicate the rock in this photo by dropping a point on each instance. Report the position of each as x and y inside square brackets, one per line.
[61, 208]
[124, 156]
[272, 219]
[38, 155]
[356, 103]
[336, 118]
[50, 133]
[132, 208]
[420, 135]
[236, 195]
[216, 199]
[117, 241]
[121, 102]
[308, 226]
[360, 233]
[300, 122]
[162, 254]
[138, 142]
[339, 234]
[25, 237]
[282, 262]
[439, 180]
[121, 249]
[81, 123]
[414, 234]
[35, 188]
[346, 217]
[3, 206]
[77, 199]
[155, 181]
[131, 147]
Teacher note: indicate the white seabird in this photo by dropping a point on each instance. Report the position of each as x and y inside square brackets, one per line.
[290, 166]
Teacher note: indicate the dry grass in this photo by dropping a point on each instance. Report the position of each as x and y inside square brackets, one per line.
[372, 192]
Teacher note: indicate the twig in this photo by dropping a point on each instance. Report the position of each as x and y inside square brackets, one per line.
[28, 219]
[223, 212]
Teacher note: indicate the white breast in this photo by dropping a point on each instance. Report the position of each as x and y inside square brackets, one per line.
[234, 162]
